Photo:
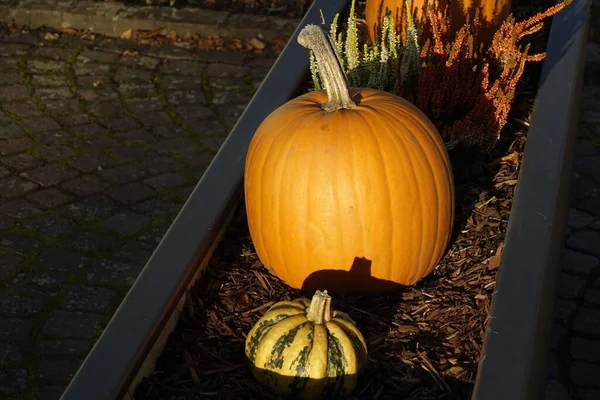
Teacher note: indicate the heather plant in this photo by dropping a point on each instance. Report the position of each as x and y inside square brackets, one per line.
[467, 92]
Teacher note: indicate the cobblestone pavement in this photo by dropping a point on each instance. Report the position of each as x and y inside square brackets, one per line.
[574, 370]
[100, 144]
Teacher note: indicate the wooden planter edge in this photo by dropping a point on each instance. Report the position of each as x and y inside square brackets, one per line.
[513, 364]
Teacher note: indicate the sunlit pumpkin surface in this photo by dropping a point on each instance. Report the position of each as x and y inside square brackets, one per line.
[372, 183]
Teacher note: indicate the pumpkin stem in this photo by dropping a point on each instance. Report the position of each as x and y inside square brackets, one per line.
[315, 38]
[319, 310]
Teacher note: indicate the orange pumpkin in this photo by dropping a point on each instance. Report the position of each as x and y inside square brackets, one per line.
[348, 179]
[492, 14]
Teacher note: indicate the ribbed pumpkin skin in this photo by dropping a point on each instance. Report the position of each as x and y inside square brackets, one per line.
[493, 13]
[323, 188]
[295, 356]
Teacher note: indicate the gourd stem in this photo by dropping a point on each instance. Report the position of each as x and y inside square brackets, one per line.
[315, 38]
[319, 310]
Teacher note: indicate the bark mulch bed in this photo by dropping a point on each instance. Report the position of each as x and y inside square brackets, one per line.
[424, 341]
[280, 8]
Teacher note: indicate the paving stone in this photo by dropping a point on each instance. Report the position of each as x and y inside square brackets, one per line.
[89, 162]
[50, 225]
[160, 165]
[73, 120]
[84, 186]
[37, 283]
[169, 131]
[53, 52]
[10, 78]
[63, 107]
[62, 260]
[55, 93]
[592, 296]
[585, 349]
[136, 251]
[50, 174]
[63, 347]
[122, 174]
[588, 241]
[564, 310]
[8, 264]
[555, 391]
[227, 70]
[155, 234]
[54, 138]
[194, 112]
[128, 153]
[589, 394]
[591, 205]
[587, 321]
[156, 118]
[10, 353]
[11, 131]
[183, 97]
[21, 162]
[128, 74]
[125, 222]
[139, 61]
[141, 135]
[106, 272]
[13, 93]
[166, 181]
[90, 208]
[183, 67]
[53, 153]
[175, 82]
[51, 81]
[130, 193]
[569, 286]
[87, 298]
[14, 186]
[50, 198]
[157, 206]
[176, 145]
[118, 123]
[73, 324]
[6, 223]
[144, 105]
[97, 56]
[137, 89]
[4, 172]
[18, 208]
[45, 66]
[13, 379]
[40, 124]
[182, 193]
[13, 146]
[89, 241]
[105, 108]
[585, 374]
[58, 370]
[20, 306]
[15, 328]
[90, 69]
[18, 243]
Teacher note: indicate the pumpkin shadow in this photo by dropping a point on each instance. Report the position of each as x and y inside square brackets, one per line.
[352, 281]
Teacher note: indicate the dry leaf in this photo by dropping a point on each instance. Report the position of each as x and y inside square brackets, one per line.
[494, 261]
[130, 53]
[257, 43]
[127, 34]
[51, 36]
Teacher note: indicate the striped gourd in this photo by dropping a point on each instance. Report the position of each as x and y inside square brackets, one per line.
[305, 349]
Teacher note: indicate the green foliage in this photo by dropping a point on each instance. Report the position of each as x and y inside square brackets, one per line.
[378, 64]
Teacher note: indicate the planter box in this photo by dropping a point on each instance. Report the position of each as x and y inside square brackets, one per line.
[513, 359]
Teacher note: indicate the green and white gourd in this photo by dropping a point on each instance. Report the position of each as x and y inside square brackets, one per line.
[304, 349]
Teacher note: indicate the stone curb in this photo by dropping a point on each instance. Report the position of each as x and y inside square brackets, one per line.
[112, 19]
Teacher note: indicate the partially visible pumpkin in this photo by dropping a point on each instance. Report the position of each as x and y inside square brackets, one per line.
[305, 349]
[492, 14]
[346, 176]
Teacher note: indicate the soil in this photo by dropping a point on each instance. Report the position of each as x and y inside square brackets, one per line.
[280, 8]
[424, 341]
